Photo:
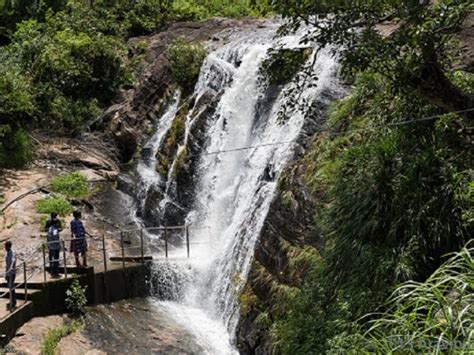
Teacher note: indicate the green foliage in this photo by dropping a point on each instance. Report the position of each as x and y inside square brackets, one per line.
[393, 200]
[16, 99]
[76, 298]
[62, 62]
[411, 43]
[71, 185]
[54, 336]
[426, 26]
[186, 61]
[283, 64]
[15, 147]
[54, 204]
[315, 315]
[187, 10]
[146, 16]
[247, 300]
[434, 316]
[65, 70]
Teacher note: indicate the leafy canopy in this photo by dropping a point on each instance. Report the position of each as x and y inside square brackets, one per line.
[410, 42]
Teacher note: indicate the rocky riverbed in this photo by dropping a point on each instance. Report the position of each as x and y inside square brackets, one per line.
[137, 326]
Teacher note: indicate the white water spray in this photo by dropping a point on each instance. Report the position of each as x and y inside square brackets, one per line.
[232, 195]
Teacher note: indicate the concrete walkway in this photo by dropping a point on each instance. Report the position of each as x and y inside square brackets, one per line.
[48, 298]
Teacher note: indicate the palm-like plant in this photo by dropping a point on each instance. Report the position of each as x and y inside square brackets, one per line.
[436, 316]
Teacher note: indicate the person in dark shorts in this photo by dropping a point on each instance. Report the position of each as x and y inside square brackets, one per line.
[10, 273]
[78, 242]
[53, 227]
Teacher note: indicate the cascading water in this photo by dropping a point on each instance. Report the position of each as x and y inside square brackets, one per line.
[233, 187]
[147, 174]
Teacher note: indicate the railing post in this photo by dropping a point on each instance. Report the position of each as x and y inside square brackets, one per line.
[24, 279]
[64, 259]
[104, 253]
[186, 231]
[166, 243]
[123, 251]
[141, 246]
[44, 261]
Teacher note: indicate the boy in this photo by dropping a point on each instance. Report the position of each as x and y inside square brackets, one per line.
[79, 242]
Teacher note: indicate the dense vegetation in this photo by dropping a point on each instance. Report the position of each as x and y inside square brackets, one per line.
[393, 177]
[392, 174]
[63, 61]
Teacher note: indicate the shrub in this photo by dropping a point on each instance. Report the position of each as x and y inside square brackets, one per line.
[186, 61]
[71, 185]
[54, 204]
[76, 298]
[189, 11]
[392, 197]
[15, 148]
[433, 316]
[146, 16]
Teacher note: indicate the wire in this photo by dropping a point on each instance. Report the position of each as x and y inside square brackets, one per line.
[402, 123]
[396, 124]
[423, 119]
[250, 147]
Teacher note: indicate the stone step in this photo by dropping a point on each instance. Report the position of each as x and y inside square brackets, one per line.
[20, 292]
[135, 259]
[72, 269]
[4, 313]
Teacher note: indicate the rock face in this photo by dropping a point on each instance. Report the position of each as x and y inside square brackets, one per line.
[288, 238]
[129, 121]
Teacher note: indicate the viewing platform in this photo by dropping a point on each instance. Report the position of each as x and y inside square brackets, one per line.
[122, 273]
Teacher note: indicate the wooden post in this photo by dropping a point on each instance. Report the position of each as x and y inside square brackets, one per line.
[104, 252]
[166, 243]
[186, 231]
[64, 259]
[123, 250]
[24, 279]
[44, 262]
[141, 246]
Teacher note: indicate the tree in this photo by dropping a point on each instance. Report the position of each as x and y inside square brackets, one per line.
[408, 41]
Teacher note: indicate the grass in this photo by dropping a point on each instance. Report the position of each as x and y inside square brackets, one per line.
[73, 185]
[58, 205]
[54, 336]
[434, 316]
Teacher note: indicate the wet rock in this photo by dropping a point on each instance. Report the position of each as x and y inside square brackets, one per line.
[127, 122]
[127, 184]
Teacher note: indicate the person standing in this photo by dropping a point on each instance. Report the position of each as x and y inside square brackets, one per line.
[10, 274]
[54, 247]
[53, 227]
[53, 219]
[78, 242]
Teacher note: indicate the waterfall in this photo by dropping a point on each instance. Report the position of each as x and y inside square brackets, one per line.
[148, 177]
[232, 188]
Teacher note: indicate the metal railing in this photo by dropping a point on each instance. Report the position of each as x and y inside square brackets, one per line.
[162, 238]
[147, 238]
[22, 266]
